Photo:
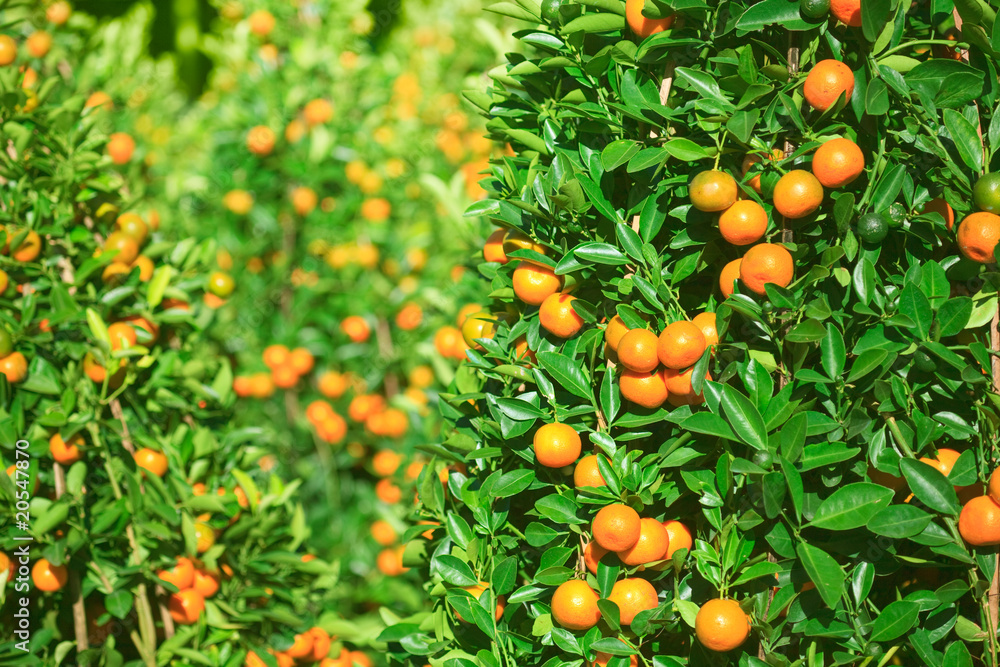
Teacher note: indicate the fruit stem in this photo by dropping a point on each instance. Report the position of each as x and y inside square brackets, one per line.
[897, 435]
[920, 42]
[79, 612]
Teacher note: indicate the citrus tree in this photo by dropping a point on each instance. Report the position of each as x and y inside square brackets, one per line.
[332, 177]
[137, 528]
[734, 399]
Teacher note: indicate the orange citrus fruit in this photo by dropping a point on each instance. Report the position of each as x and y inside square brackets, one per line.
[766, 263]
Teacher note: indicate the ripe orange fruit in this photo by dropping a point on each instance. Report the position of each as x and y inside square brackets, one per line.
[122, 335]
[302, 646]
[712, 191]
[449, 343]
[390, 562]
[239, 202]
[730, 273]
[979, 522]
[63, 452]
[679, 388]
[797, 194]
[151, 461]
[825, 83]
[556, 315]
[651, 545]
[766, 263]
[205, 582]
[592, 555]
[99, 99]
[29, 247]
[847, 12]
[365, 405]
[574, 605]
[637, 351]
[356, 328]
[633, 595]
[943, 461]
[388, 492]
[14, 367]
[614, 332]
[383, 532]
[533, 283]
[145, 266]
[321, 643]
[743, 223]
[317, 112]
[58, 12]
[260, 140]
[261, 22]
[332, 384]
[940, 206]
[276, 356]
[284, 377]
[706, 322]
[557, 445]
[376, 210]
[602, 660]
[648, 390]
[186, 606]
[127, 247]
[409, 317]
[8, 50]
[304, 200]
[680, 345]
[39, 43]
[753, 158]
[587, 473]
[180, 575]
[120, 148]
[493, 248]
[421, 377]
[301, 360]
[6, 566]
[994, 487]
[721, 625]
[616, 527]
[48, 577]
[978, 235]
[642, 26]
[838, 162]
[678, 537]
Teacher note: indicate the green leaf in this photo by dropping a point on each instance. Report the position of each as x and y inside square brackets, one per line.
[512, 483]
[158, 285]
[966, 138]
[851, 506]
[915, 306]
[600, 253]
[874, 14]
[954, 314]
[930, 486]
[97, 327]
[618, 153]
[596, 22]
[744, 418]
[832, 351]
[896, 619]
[454, 571]
[567, 373]
[899, 521]
[824, 572]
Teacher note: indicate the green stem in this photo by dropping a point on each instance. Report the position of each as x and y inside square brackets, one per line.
[907, 45]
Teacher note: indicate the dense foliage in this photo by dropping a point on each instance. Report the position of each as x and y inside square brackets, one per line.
[808, 444]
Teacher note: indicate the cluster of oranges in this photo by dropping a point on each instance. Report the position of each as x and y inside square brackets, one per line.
[286, 369]
[194, 585]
